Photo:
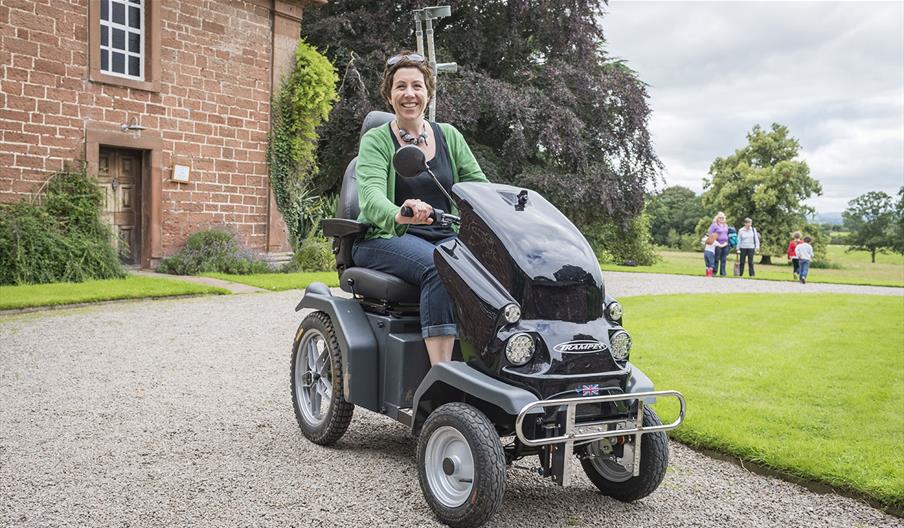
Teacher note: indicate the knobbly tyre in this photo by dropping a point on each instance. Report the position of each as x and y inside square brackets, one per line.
[542, 363]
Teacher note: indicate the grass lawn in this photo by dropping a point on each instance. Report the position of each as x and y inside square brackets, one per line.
[809, 384]
[280, 281]
[856, 267]
[131, 287]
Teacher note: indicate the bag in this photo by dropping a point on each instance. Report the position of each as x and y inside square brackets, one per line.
[737, 267]
[732, 238]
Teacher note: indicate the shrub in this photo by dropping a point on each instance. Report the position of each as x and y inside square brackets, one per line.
[313, 254]
[59, 237]
[212, 251]
[616, 245]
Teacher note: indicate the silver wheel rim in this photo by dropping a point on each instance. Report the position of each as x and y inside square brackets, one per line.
[313, 381]
[608, 468]
[449, 466]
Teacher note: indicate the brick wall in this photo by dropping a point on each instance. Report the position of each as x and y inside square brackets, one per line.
[212, 110]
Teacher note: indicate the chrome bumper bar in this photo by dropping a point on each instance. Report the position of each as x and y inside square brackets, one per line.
[584, 433]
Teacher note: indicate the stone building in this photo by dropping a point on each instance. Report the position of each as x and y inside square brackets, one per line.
[168, 103]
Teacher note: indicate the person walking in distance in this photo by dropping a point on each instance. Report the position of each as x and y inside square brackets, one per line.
[792, 254]
[804, 252]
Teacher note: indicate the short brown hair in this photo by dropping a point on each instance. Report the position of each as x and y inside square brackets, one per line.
[389, 73]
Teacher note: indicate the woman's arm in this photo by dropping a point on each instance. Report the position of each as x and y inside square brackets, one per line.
[468, 168]
[371, 170]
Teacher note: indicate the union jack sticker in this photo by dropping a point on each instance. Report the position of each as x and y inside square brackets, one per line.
[589, 390]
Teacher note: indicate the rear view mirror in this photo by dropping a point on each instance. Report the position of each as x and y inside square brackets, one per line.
[409, 161]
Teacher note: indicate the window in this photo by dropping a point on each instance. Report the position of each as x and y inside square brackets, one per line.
[121, 35]
[124, 41]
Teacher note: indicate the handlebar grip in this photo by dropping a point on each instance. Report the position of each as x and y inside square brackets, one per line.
[407, 211]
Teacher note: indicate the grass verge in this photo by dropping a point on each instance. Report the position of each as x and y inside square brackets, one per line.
[811, 385]
[856, 268]
[131, 287]
[280, 281]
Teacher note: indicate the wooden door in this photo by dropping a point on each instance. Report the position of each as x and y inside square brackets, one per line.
[119, 177]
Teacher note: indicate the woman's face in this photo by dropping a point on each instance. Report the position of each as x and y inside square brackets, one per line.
[720, 219]
[409, 96]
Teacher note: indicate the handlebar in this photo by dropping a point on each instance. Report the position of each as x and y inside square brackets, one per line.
[439, 216]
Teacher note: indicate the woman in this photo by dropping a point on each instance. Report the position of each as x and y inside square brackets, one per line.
[748, 245]
[399, 245]
[720, 228]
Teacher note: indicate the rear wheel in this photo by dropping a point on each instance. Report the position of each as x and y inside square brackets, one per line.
[461, 465]
[317, 384]
[617, 482]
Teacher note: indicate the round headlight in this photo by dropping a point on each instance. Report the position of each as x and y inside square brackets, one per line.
[615, 311]
[621, 345]
[519, 349]
[511, 313]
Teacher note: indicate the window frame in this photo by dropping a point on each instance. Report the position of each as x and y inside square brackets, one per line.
[150, 31]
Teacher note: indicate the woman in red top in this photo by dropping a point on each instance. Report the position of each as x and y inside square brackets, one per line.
[792, 255]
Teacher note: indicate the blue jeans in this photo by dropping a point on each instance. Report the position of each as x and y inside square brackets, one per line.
[709, 258]
[721, 256]
[804, 268]
[410, 258]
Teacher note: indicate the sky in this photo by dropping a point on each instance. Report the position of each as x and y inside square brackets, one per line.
[832, 72]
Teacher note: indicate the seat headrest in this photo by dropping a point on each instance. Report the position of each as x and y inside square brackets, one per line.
[375, 119]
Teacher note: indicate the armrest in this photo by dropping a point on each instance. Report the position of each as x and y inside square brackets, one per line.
[342, 227]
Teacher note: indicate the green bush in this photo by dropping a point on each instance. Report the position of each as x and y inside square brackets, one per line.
[303, 102]
[59, 237]
[616, 245]
[313, 254]
[209, 252]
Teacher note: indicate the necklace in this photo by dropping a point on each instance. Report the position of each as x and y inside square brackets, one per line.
[407, 137]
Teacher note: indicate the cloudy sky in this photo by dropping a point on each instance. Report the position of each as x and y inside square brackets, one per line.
[832, 72]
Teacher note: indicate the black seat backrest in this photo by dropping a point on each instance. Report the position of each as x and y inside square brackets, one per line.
[347, 206]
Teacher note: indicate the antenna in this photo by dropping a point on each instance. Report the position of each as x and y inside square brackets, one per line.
[426, 16]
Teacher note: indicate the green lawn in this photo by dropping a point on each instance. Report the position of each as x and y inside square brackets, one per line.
[280, 281]
[809, 384]
[856, 267]
[131, 287]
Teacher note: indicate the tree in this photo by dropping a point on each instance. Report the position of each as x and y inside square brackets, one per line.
[675, 209]
[870, 218]
[898, 238]
[763, 181]
[536, 96]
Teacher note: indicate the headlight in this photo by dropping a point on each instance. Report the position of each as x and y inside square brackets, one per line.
[511, 313]
[621, 345]
[615, 311]
[519, 349]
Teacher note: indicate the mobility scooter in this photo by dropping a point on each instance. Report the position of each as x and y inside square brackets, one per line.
[541, 367]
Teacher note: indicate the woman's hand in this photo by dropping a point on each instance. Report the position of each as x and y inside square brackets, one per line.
[421, 210]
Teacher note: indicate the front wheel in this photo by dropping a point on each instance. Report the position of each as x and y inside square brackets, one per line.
[317, 384]
[461, 465]
[617, 482]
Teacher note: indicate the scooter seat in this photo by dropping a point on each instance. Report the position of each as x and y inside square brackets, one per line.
[373, 284]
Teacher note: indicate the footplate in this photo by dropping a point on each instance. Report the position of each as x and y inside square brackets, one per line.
[584, 433]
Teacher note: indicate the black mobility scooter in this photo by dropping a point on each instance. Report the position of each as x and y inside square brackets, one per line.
[541, 366]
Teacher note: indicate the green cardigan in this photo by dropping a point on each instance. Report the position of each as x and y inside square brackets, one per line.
[376, 177]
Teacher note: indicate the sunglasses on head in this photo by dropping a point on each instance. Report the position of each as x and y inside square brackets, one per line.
[411, 57]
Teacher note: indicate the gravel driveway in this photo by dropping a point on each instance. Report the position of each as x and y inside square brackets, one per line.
[178, 412]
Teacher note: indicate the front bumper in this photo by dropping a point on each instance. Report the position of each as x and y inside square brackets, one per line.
[585, 433]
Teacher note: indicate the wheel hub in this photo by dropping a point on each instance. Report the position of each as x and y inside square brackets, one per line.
[450, 465]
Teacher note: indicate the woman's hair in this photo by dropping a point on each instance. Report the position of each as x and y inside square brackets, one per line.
[795, 235]
[389, 73]
[716, 218]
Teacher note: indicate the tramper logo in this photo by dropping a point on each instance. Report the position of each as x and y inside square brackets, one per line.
[580, 346]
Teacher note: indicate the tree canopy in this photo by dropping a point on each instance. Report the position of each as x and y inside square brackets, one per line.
[540, 102]
[675, 209]
[764, 181]
[870, 218]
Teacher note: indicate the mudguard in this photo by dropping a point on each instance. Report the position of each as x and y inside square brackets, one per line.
[458, 381]
[357, 343]
[639, 382]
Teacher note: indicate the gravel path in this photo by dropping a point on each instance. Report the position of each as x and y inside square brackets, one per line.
[178, 412]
